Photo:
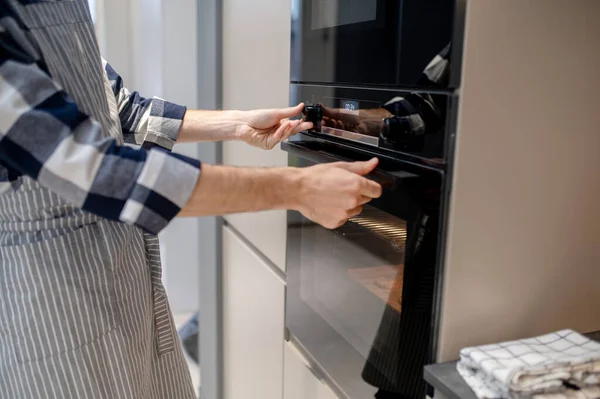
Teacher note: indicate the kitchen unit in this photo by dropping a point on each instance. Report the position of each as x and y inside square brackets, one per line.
[513, 225]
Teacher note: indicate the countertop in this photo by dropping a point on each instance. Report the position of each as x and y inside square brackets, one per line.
[446, 380]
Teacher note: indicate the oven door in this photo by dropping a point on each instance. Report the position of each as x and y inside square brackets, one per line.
[369, 42]
[360, 298]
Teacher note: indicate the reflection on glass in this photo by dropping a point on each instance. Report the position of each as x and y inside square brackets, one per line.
[401, 119]
[360, 297]
[350, 274]
[400, 348]
[328, 13]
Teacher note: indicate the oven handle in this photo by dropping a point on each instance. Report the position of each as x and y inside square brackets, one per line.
[387, 179]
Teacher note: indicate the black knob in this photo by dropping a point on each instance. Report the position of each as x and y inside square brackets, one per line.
[398, 131]
[314, 114]
[391, 130]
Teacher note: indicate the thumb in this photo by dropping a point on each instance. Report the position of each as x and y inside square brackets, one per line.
[289, 112]
[360, 168]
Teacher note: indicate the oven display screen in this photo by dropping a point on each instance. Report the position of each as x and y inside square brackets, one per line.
[331, 13]
[350, 106]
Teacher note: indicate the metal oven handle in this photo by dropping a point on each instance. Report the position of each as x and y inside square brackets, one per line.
[387, 179]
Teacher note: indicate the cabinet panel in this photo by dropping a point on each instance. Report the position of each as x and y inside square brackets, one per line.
[299, 382]
[265, 230]
[256, 75]
[253, 323]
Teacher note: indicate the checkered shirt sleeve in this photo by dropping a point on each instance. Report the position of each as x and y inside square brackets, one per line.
[45, 136]
[145, 121]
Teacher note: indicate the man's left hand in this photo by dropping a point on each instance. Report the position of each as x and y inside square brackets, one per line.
[265, 128]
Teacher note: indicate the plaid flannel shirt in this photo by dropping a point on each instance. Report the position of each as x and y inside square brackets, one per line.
[44, 135]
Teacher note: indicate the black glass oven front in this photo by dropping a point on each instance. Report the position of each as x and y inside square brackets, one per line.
[360, 299]
[370, 42]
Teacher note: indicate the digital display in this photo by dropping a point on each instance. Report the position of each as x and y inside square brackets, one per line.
[349, 106]
[331, 13]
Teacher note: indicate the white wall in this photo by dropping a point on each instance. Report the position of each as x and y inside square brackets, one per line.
[256, 70]
[179, 84]
[152, 44]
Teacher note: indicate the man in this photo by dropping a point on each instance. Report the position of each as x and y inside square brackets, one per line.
[83, 313]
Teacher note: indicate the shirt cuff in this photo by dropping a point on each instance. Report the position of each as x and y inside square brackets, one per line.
[163, 187]
[164, 123]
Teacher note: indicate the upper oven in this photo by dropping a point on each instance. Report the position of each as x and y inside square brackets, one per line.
[374, 42]
[361, 299]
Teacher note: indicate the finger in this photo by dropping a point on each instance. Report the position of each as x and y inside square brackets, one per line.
[371, 189]
[295, 127]
[289, 112]
[364, 200]
[301, 126]
[281, 130]
[360, 168]
[355, 212]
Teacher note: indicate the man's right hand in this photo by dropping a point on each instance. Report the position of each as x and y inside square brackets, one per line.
[330, 194]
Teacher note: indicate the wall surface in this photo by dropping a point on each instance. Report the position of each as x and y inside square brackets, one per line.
[255, 74]
[256, 52]
[524, 238]
[153, 46]
[182, 259]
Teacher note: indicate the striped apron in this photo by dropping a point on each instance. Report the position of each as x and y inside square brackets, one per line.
[83, 312]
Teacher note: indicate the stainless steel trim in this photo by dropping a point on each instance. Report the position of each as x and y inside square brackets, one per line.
[352, 136]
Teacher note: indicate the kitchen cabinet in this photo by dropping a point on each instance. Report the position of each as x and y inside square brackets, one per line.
[299, 382]
[253, 323]
[256, 75]
[266, 231]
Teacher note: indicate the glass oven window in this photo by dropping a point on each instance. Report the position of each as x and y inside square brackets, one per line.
[360, 297]
[350, 275]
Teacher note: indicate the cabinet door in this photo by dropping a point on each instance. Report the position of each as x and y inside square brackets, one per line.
[256, 74]
[299, 382]
[253, 329]
[265, 230]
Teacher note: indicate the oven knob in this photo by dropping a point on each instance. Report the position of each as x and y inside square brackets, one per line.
[395, 132]
[314, 114]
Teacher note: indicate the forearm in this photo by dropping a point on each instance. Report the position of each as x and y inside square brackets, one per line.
[210, 126]
[226, 189]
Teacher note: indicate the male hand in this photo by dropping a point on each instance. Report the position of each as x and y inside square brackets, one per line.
[265, 128]
[330, 194]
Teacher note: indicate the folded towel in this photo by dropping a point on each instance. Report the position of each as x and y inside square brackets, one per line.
[561, 365]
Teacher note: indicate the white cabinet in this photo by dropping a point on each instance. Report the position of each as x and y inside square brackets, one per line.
[256, 74]
[265, 230]
[298, 381]
[253, 323]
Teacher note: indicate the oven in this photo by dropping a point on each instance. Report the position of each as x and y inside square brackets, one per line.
[378, 78]
[372, 42]
[361, 299]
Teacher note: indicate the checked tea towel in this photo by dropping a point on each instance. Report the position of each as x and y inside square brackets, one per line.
[561, 365]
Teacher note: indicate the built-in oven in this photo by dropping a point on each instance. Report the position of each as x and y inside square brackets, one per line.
[378, 78]
[373, 42]
[361, 299]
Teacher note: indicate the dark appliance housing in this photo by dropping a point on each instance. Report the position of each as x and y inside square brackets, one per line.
[378, 78]
[370, 42]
